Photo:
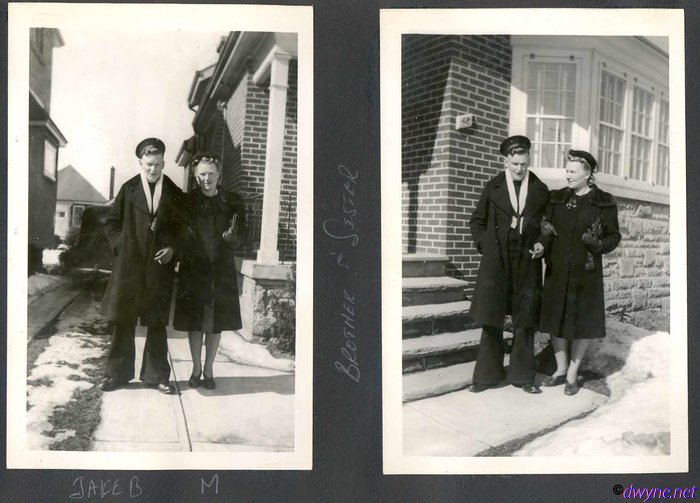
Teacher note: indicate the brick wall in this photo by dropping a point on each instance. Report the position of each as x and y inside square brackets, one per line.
[444, 170]
[242, 129]
[637, 273]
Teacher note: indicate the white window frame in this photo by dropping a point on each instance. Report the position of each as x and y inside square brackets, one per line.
[50, 160]
[592, 54]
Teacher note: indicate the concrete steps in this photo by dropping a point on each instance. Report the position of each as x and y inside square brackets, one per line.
[440, 350]
[429, 319]
[423, 265]
[417, 291]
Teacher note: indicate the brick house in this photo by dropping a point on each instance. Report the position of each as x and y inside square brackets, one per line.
[461, 96]
[74, 195]
[246, 113]
[44, 141]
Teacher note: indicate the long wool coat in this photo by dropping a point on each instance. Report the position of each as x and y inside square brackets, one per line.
[139, 286]
[489, 226]
[573, 305]
[207, 269]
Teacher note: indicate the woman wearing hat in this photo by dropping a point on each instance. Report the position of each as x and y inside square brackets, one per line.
[207, 294]
[573, 307]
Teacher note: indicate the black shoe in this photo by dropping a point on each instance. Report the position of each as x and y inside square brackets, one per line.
[530, 388]
[109, 384]
[165, 388]
[571, 388]
[554, 381]
[477, 387]
[195, 380]
[209, 382]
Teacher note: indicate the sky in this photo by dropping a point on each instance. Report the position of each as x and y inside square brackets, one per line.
[111, 89]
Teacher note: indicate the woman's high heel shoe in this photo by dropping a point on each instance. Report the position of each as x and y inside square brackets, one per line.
[554, 381]
[195, 380]
[209, 382]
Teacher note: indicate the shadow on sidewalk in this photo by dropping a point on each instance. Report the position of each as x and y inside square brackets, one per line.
[243, 385]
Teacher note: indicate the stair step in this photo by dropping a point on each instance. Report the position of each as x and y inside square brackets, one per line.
[431, 345]
[437, 381]
[432, 290]
[436, 318]
[423, 265]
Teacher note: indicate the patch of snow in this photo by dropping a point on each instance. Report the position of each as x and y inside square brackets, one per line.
[40, 283]
[50, 257]
[57, 375]
[608, 355]
[635, 421]
[241, 351]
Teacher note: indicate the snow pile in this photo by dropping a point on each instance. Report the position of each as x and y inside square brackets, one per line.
[40, 283]
[608, 355]
[59, 372]
[635, 421]
[241, 351]
[51, 257]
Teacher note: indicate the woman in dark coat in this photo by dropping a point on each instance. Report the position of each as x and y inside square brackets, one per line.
[207, 293]
[573, 307]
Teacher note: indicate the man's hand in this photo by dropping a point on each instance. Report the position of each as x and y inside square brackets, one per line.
[537, 251]
[165, 255]
[547, 228]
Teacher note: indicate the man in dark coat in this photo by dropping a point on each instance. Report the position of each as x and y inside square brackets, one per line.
[142, 228]
[505, 227]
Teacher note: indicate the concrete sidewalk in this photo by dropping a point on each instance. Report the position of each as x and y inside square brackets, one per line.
[464, 423]
[251, 409]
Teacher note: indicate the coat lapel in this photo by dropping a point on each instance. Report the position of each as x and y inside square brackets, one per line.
[500, 195]
[136, 196]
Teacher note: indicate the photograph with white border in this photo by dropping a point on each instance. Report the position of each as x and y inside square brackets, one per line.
[160, 237]
[589, 101]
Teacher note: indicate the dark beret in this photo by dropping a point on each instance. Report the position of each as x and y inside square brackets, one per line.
[515, 142]
[582, 154]
[150, 142]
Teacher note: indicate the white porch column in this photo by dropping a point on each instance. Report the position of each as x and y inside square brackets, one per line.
[279, 71]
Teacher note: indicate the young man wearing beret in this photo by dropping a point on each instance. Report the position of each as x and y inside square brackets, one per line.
[505, 227]
[142, 228]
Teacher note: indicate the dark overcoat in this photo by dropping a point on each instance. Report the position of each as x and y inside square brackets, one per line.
[573, 304]
[207, 268]
[489, 226]
[140, 287]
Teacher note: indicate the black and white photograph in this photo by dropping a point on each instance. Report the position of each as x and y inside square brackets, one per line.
[160, 241]
[533, 183]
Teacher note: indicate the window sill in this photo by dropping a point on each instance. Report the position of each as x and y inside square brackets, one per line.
[617, 186]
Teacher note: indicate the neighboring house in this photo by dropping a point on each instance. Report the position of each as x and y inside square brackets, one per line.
[44, 141]
[607, 95]
[246, 113]
[75, 194]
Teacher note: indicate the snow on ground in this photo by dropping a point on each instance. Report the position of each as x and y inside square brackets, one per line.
[58, 373]
[50, 257]
[40, 283]
[635, 421]
[241, 351]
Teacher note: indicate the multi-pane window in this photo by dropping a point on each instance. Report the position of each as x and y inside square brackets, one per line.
[642, 134]
[551, 96]
[611, 123]
[662, 153]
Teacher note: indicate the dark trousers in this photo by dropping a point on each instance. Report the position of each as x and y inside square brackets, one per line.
[489, 368]
[489, 364]
[155, 368]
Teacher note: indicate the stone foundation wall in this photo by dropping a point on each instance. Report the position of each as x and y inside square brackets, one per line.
[637, 273]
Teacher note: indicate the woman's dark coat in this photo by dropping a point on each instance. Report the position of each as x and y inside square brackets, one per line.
[489, 226]
[573, 304]
[208, 269]
[139, 286]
